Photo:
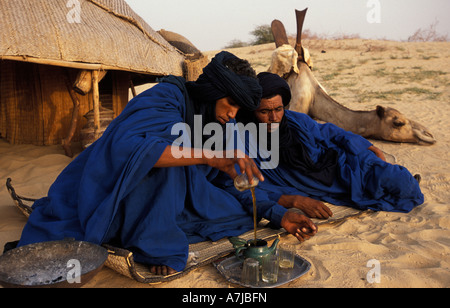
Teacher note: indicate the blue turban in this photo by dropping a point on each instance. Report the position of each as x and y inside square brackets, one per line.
[218, 81]
[274, 85]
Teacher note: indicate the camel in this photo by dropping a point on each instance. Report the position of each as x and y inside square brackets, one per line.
[308, 96]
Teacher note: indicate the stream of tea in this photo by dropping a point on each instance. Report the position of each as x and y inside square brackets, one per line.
[254, 212]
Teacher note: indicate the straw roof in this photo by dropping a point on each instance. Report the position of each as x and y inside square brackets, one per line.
[109, 36]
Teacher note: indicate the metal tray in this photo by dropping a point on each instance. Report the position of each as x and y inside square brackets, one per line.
[231, 269]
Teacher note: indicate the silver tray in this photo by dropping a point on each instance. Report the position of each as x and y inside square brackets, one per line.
[231, 269]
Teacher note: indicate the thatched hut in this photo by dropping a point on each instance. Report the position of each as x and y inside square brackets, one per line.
[44, 47]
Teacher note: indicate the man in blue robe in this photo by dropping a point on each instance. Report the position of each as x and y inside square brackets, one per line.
[129, 189]
[324, 162]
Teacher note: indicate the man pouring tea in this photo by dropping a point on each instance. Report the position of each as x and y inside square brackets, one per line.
[128, 190]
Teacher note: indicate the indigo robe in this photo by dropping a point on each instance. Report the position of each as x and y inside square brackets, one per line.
[363, 180]
[112, 193]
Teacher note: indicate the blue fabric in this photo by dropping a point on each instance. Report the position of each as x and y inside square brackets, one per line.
[111, 192]
[364, 181]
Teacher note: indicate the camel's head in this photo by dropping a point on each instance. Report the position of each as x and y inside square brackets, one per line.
[285, 60]
[394, 126]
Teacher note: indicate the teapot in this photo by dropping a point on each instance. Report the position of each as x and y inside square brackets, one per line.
[256, 249]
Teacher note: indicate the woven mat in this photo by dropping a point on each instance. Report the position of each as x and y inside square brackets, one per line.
[200, 254]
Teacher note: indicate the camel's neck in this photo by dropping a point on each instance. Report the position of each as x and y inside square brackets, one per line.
[327, 109]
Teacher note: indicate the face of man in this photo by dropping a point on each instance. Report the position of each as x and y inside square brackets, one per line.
[270, 111]
[226, 109]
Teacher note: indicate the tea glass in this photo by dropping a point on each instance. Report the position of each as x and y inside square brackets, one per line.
[286, 255]
[241, 182]
[250, 272]
[270, 269]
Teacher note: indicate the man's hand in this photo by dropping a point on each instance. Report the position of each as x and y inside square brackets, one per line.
[377, 152]
[298, 225]
[222, 160]
[245, 163]
[311, 207]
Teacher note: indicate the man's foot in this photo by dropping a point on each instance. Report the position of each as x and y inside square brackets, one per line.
[162, 270]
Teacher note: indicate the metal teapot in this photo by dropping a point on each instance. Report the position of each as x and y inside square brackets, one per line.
[256, 249]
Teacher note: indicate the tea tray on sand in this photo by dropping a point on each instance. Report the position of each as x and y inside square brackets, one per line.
[231, 269]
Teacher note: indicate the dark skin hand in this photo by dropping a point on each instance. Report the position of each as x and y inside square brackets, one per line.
[311, 207]
[245, 163]
[224, 161]
[299, 225]
[377, 152]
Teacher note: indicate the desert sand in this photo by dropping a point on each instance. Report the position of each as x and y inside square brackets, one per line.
[413, 250]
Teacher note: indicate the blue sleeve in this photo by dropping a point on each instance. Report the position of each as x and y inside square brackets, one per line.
[328, 134]
[274, 192]
[266, 208]
[347, 140]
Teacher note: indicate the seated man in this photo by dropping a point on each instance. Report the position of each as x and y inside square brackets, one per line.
[324, 162]
[129, 189]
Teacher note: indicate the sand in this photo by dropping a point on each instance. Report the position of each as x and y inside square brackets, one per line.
[410, 250]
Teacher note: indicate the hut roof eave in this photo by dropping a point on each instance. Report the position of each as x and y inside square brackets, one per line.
[108, 35]
[86, 66]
